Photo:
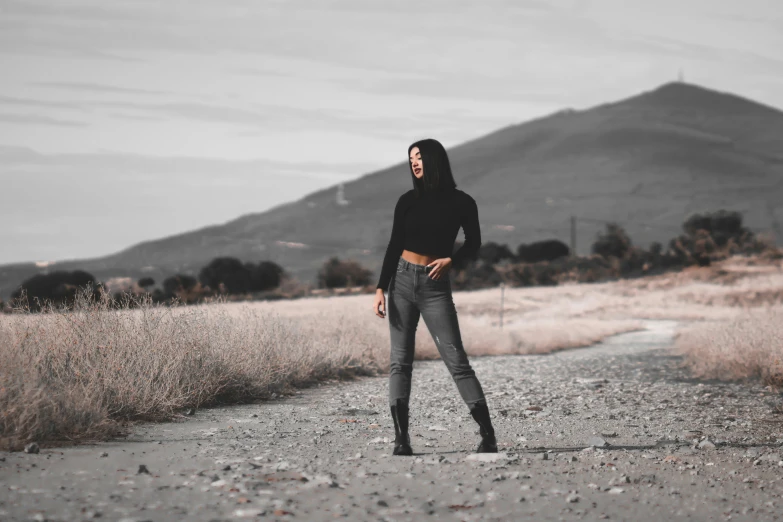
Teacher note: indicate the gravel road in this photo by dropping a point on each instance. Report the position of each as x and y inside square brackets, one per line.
[615, 431]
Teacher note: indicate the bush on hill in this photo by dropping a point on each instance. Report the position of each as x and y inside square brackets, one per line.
[721, 225]
[146, 282]
[265, 276]
[184, 287]
[226, 275]
[340, 274]
[229, 275]
[715, 235]
[494, 253]
[58, 287]
[476, 275]
[546, 250]
[179, 283]
[615, 256]
[544, 273]
[614, 242]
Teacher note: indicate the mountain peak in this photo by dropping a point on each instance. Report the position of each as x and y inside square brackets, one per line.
[681, 95]
[681, 87]
[682, 92]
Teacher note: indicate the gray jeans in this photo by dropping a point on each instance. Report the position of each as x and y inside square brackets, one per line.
[412, 292]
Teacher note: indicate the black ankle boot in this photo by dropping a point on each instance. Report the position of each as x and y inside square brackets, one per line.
[402, 441]
[488, 444]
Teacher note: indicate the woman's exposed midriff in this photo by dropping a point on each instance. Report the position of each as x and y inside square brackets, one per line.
[417, 259]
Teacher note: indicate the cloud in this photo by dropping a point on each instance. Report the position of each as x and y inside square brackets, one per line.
[95, 87]
[269, 117]
[32, 119]
[135, 117]
[467, 86]
[198, 111]
[677, 48]
[29, 102]
[119, 164]
[116, 11]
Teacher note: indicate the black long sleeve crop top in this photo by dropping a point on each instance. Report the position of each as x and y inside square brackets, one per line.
[429, 226]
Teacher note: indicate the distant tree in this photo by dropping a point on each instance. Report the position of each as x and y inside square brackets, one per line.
[59, 287]
[721, 225]
[545, 274]
[336, 274]
[159, 296]
[614, 242]
[146, 282]
[546, 250]
[721, 220]
[492, 253]
[228, 271]
[634, 260]
[264, 276]
[478, 276]
[178, 283]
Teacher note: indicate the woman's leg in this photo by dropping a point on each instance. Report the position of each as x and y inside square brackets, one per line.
[440, 316]
[403, 321]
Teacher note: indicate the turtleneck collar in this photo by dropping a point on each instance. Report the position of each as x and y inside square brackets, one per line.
[440, 194]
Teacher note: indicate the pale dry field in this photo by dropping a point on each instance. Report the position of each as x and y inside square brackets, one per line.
[79, 375]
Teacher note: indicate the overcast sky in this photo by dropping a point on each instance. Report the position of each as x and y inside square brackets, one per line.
[128, 120]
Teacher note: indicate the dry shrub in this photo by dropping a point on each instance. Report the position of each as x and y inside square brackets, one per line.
[291, 287]
[741, 298]
[748, 346]
[78, 373]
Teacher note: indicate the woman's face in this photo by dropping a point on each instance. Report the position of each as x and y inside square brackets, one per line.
[416, 164]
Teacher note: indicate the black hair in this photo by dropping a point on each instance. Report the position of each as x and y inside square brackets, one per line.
[437, 169]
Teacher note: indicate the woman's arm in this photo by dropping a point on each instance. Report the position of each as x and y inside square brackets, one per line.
[470, 225]
[395, 246]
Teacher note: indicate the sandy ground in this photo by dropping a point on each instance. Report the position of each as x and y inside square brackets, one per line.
[615, 431]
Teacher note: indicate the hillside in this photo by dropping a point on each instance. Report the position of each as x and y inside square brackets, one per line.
[645, 162]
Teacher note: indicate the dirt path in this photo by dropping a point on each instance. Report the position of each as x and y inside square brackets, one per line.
[325, 453]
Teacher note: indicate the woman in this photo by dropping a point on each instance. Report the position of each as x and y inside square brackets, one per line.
[416, 272]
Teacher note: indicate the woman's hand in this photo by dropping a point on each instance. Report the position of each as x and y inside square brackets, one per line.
[441, 265]
[379, 304]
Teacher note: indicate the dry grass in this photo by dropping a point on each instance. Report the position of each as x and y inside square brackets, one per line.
[76, 375]
[748, 346]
